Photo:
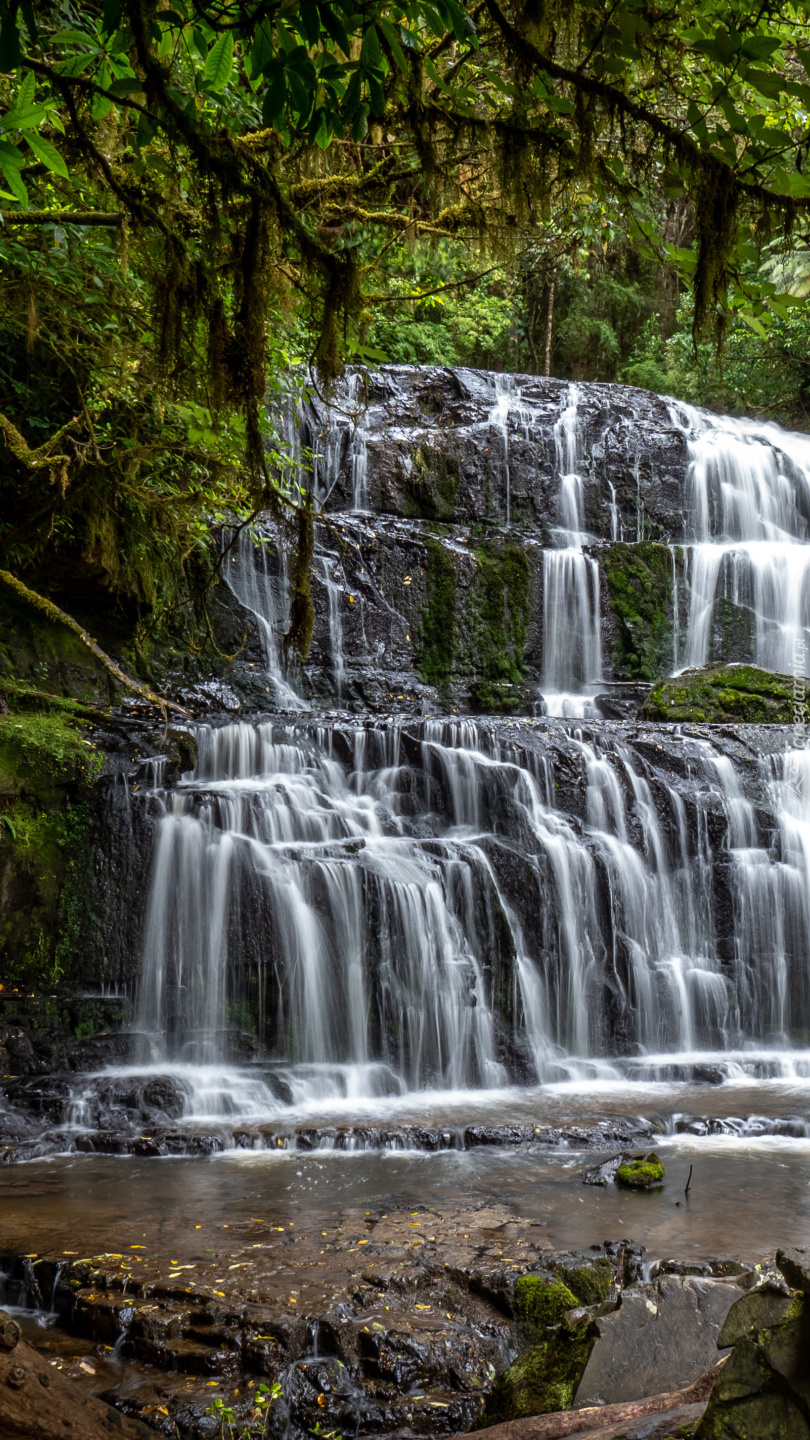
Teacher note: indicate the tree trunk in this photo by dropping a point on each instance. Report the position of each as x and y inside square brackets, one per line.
[549, 324]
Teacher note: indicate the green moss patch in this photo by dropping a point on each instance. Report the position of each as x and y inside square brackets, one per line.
[47, 769]
[543, 1379]
[437, 633]
[542, 1300]
[639, 585]
[497, 623]
[641, 1172]
[742, 693]
[590, 1280]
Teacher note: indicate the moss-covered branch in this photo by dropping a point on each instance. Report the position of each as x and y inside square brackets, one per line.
[47, 607]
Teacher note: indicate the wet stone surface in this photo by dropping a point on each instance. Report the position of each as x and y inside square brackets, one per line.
[377, 1323]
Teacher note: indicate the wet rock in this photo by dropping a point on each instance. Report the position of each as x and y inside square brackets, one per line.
[795, 1266]
[602, 1174]
[640, 1172]
[763, 1392]
[663, 1336]
[544, 1378]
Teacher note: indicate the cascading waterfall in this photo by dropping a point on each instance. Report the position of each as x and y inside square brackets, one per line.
[749, 496]
[249, 572]
[372, 909]
[349, 891]
[571, 600]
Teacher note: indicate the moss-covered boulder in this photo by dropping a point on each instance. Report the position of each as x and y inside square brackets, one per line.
[742, 693]
[641, 1172]
[589, 1279]
[763, 1390]
[541, 1301]
[543, 1379]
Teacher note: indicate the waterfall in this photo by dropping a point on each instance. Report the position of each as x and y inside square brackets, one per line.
[394, 909]
[572, 639]
[748, 491]
[248, 569]
[334, 591]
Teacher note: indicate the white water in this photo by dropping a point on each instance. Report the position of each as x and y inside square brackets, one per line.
[749, 500]
[572, 636]
[254, 568]
[360, 905]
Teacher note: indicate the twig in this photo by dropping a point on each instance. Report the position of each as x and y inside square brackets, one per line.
[689, 1181]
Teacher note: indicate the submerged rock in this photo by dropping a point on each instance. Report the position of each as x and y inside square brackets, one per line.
[641, 1172]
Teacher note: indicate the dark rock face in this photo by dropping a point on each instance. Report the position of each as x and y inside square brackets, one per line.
[663, 1336]
[429, 579]
[435, 450]
[763, 1391]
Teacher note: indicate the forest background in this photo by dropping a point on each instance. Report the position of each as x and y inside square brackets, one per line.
[205, 203]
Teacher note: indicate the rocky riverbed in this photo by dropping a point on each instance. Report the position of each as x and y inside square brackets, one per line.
[405, 1322]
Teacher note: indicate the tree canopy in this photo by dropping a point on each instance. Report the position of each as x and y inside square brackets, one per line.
[195, 195]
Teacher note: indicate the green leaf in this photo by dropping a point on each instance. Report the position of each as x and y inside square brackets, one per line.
[111, 16]
[48, 154]
[275, 96]
[219, 62]
[351, 99]
[128, 85]
[370, 52]
[15, 182]
[560, 105]
[335, 29]
[28, 119]
[310, 22]
[263, 49]
[25, 92]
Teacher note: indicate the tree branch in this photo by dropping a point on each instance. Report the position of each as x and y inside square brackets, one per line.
[53, 612]
[61, 217]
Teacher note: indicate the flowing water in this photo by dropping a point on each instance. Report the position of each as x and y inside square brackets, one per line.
[749, 496]
[365, 926]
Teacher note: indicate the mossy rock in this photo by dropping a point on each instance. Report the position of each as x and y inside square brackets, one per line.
[639, 586]
[541, 1301]
[590, 1280]
[721, 693]
[47, 770]
[543, 1379]
[641, 1172]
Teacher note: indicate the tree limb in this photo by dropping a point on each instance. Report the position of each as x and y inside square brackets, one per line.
[61, 217]
[53, 612]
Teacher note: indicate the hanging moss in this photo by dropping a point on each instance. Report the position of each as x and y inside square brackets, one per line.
[639, 583]
[497, 622]
[437, 633]
[46, 771]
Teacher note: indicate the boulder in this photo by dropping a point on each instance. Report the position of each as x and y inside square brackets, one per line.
[641, 1172]
[663, 1336]
[763, 1392]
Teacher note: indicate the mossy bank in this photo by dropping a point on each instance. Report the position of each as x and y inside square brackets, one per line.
[742, 693]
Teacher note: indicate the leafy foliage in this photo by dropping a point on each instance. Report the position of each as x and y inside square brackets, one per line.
[185, 186]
